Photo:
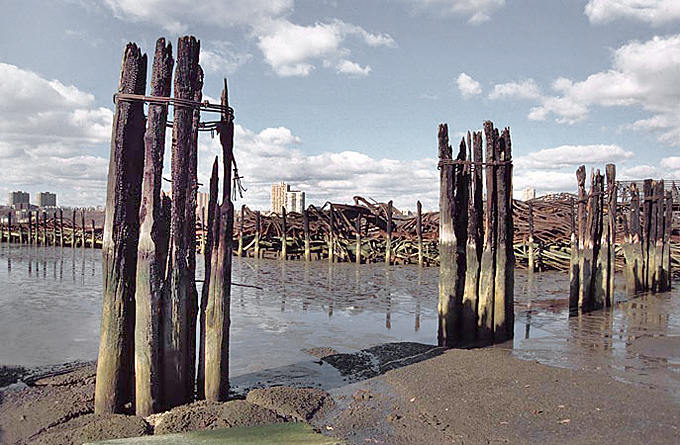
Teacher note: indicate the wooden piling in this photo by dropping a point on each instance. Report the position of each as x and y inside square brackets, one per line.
[419, 232]
[218, 312]
[574, 259]
[503, 314]
[665, 284]
[357, 247]
[152, 247]
[73, 230]
[388, 235]
[239, 252]
[305, 229]
[258, 226]
[646, 227]
[331, 234]
[44, 229]
[530, 241]
[180, 288]
[61, 227]
[659, 201]
[9, 227]
[30, 228]
[284, 239]
[114, 386]
[611, 233]
[83, 237]
[207, 260]
[487, 269]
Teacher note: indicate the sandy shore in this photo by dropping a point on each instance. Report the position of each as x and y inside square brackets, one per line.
[459, 396]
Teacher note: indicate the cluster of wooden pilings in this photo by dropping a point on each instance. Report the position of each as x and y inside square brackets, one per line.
[148, 351]
[51, 230]
[646, 243]
[361, 233]
[476, 279]
[647, 230]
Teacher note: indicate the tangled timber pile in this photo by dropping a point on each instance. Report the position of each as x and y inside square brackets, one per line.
[551, 220]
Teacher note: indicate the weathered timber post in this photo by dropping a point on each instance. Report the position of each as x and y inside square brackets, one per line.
[218, 311]
[659, 201]
[665, 284]
[284, 238]
[258, 225]
[30, 228]
[331, 235]
[589, 299]
[611, 234]
[475, 233]
[574, 298]
[9, 227]
[635, 265]
[239, 252]
[305, 228]
[388, 235]
[114, 386]
[93, 236]
[419, 233]
[20, 228]
[453, 217]
[45, 239]
[573, 262]
[83, 236]
[487, 268]
[61, 227]
[647, 192]
[73, 230]
[503, 314]
[54, 229]
[357, 247]
[531, 265]
[152, 249]
[177, 365]
[207, 259]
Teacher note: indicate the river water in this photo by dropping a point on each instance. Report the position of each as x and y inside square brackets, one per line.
[50, 304]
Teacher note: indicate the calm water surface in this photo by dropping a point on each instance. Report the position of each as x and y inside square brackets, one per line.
[50, 304]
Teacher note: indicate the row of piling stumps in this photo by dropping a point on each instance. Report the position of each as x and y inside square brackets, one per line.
[148, 350]
[476, 279]
[51, 231]
[646, 242]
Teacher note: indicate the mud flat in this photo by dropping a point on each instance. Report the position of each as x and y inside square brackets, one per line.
[453, 396]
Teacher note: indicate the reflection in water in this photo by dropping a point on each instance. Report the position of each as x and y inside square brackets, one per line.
[48, 318]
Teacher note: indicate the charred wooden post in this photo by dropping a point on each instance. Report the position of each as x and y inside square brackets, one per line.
[114, 381]
[503, 314]
[83, 237]
[589, 298]
[239, 252]
[388, 235]
[453, 215]
[475, 232]
[610, 238]
[574, 258]
[180, 294]
[305, 228]
[487, 269]
[93, 236]
[218, 310]
[258, 226]
[152, 248]
[331, 234]
[284, 239]
[646, 226]
[574, 299]
[207, 260]
[530, 241]
[419, 233]
[30, 228]
[61, 227]
[357, 251]
[73, 230]
[665, 284]
[9, 227]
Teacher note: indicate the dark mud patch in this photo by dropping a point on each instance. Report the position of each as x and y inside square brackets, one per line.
[95, 427]
[301, 404]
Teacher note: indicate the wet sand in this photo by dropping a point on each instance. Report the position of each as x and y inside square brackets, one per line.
[460, 396]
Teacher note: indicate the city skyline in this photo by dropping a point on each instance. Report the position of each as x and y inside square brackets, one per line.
[344, 98]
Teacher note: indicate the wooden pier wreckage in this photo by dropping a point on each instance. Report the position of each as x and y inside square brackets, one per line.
[151, 316]
[52, 229]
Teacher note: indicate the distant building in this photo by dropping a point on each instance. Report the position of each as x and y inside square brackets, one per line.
[528, 194]
[202, 200]
[283, 196]
[47, 199]
[19, 200]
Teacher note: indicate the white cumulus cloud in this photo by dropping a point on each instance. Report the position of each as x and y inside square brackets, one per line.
[467, 86]
[477, 11]
[653, 12]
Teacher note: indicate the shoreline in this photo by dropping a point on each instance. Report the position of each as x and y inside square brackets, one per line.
[452, 396]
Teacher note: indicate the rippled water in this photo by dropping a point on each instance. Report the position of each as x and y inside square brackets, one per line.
[50, 303]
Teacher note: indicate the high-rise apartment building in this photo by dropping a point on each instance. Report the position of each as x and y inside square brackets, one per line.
[47, 199]
[19, 199]
[283, 196]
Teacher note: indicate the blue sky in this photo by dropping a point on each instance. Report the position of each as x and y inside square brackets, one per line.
[343, 97]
